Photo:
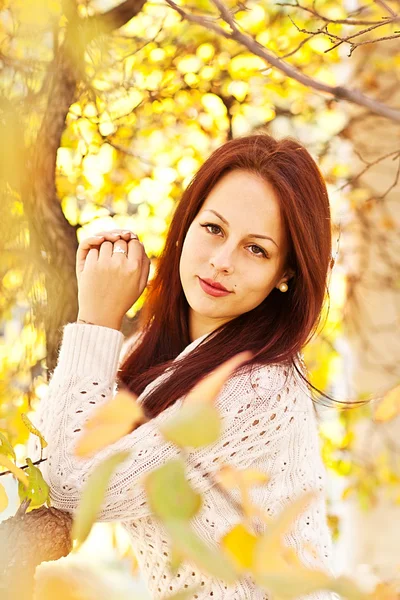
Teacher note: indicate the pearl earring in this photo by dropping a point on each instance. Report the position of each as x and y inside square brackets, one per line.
[283, 287]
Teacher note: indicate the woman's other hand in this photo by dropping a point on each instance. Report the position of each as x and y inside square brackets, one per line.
[109, 282]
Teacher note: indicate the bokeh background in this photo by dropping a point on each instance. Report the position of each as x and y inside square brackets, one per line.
[107, 109]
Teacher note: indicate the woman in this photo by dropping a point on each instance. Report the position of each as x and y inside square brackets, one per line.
[255, 224]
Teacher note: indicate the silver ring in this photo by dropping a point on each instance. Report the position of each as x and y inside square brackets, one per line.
[119, 249]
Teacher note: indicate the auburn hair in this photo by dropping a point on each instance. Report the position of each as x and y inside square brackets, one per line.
[277, 329]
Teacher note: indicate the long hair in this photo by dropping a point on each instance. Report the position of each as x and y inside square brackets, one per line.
[277, 329]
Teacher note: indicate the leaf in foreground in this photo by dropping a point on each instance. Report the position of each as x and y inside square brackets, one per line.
[240, 543]
[109, 423]
[194, 425]
[210, 386]
[211, 561]
[92, 496]
[169, 493]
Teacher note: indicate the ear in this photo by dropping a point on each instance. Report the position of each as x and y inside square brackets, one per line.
[288, 274]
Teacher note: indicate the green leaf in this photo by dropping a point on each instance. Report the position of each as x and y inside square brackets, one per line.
[37, 491]
[169, 494]
[209, 560]
[6, 447]
[92, 496]
[196, 424]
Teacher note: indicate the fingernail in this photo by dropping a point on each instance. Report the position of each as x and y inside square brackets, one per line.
[125, 232]
[99, 236]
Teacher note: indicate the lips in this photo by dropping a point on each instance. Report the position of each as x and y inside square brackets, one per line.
[215, 285]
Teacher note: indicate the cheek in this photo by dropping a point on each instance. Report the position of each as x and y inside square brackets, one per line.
[194, 248]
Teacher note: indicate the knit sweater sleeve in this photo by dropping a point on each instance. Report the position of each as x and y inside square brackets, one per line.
[267, 423]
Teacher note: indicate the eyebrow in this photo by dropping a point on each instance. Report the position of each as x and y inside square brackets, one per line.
[255, 235]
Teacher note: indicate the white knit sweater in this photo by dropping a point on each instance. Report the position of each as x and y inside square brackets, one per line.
[268, 424]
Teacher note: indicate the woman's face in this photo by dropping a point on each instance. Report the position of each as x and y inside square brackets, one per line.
[223, 249]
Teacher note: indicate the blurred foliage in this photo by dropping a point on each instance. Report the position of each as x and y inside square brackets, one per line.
[275, 567]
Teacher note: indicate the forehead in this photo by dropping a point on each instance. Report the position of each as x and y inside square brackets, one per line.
[247, 202]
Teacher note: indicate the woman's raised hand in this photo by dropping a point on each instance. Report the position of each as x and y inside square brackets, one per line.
[110, 282]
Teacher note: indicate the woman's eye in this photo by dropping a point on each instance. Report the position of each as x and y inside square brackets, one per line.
[261, 250]
[211, 225]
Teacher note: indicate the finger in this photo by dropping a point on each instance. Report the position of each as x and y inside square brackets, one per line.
[145, 272]
[92, 258]
[116, 233]
[107, 249]
[135, 252]
[84, 248]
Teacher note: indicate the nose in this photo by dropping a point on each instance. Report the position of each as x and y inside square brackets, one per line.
[222, 261]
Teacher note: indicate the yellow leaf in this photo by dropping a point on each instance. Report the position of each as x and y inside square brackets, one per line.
[193, 548]
[270, 551]
[109, 423]
[3, 498]
[16, 471]
[229, 477]
[239, 543]
[92, 496]
[389, 407]
[210, 386]
[30, 426]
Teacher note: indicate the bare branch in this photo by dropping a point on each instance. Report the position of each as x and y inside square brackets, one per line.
[386, 7]
[340, 92]
[395, 154]
[337, 21]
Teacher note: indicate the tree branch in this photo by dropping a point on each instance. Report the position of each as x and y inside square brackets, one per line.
[338, 92]
[115, 18]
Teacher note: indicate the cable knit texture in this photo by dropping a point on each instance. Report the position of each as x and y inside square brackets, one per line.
[269, 424]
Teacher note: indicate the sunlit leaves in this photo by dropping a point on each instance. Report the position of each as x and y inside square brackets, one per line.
[108, 423]
[169, 493]
[92, 496]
